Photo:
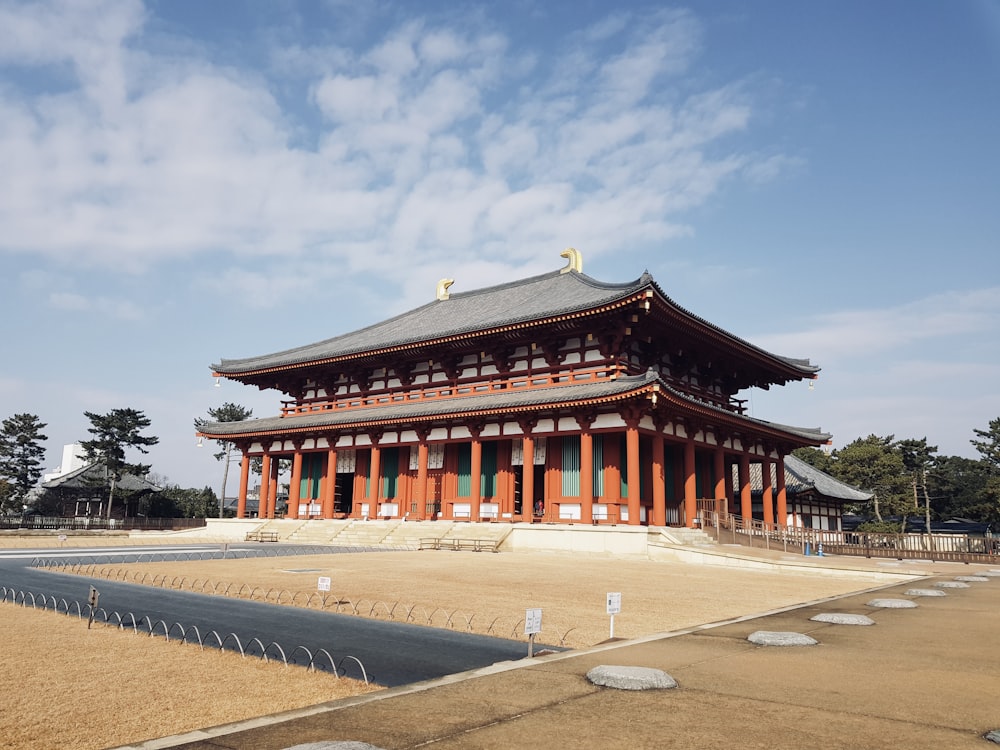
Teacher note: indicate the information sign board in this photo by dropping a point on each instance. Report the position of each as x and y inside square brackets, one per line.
[532, 621]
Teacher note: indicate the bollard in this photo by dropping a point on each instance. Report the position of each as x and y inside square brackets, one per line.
[808, 550]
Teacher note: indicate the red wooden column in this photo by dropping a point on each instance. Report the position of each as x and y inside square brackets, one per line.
[420, 490]
[374, 479]
[690, 485]
[632, 462]
[782, 495]
[476, 478]
[295, 488]
[586, 473]
[768, 490]
[528, 477]
[272, 492]
[720, 475]
[659, 482]
[263, 502]
[330, 484]
[746, 502]
[241, 503]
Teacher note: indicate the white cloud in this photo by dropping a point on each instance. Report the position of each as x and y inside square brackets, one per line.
[434, 138]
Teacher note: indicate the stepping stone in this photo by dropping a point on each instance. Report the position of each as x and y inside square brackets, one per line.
[780, 638]
[838, 618]
[334, 745]
[631, 678]
[892, 603]
[991, 573]
[924, 592]
[972, 579]
[951, 585]
[993, 736]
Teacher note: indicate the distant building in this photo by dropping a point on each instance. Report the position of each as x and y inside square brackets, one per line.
[556, 398]
[72, 459]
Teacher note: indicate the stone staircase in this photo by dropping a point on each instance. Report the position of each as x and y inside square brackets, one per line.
[359, 533]
[682, 537]
[319, 531]
[409, 534]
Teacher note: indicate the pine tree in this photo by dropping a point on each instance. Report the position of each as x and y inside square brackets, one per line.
[114, 432]
[21, 455]
[228, 412]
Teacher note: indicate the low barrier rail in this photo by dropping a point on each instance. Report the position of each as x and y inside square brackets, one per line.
[417, 614]
[728, 528]
[322, 660]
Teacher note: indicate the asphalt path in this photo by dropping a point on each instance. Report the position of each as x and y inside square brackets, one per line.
[391, 653]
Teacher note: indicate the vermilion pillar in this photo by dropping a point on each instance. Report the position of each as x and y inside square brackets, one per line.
[241, 503]
[720, 475]
[746, 502]
[586, 477]
[263, 502]
[768, 490]
[272, 492]
[420, 491]
[528, 477]
[330, 484]
[632, 462]
[374, 477]
[475, 490]
[295, 489]
[659, 486]
[690, 485]
[782, 496]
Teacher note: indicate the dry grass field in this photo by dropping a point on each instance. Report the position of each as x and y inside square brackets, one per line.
[488, 593]
[102, 687]
[67, 686]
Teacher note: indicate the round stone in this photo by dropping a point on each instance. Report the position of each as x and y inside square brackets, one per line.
[334, 745]
[892, 603]
[971, 579]
[991, 573]
[780, 638]
[951, 585]
[925, 592]
[993, 736]
[839, 618]
[631, 678]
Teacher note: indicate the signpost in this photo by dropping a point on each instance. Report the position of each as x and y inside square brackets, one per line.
[614, 607]
[532, 625]
[92, 600]
[323, 584]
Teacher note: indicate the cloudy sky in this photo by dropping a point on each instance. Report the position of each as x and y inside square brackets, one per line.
[185, 181]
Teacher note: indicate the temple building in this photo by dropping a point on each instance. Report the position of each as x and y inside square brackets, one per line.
[557, 398]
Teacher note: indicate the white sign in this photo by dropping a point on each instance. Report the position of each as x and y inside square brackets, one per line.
[324, 583]
[614, 603]
[62, 537]
[532, 621]
[94, 596]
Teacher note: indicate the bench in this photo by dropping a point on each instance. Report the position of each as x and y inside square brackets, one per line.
[473, 545]
[261, 536]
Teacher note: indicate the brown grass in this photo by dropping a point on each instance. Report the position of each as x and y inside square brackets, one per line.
[67, 686]
[486, 593]
[90, 689]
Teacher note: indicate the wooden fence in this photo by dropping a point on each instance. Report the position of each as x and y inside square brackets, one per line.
[966, 548]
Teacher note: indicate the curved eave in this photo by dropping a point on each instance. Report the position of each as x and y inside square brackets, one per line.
[542, 400]
[428, 343]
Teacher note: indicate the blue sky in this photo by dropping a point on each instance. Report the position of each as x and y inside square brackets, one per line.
[187, 181]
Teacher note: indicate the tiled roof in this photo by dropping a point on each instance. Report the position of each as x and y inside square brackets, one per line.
[801, 477]
[92, 475]
[496, 402]
[514, 303]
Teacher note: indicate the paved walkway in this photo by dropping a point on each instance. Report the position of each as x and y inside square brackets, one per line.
[927, 677]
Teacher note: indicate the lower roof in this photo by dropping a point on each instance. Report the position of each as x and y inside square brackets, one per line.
[526, 401]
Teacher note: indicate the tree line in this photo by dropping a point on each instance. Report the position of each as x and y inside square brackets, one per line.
[110, 455]
[909, 478]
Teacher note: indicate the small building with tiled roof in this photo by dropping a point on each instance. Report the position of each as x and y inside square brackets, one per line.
[815, 500]
[556, 398]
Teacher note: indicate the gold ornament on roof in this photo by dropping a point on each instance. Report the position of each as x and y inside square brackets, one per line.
[575, 260]
[442, 288]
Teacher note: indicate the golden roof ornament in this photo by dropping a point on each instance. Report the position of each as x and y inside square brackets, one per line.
[442, 288]
[575, 260]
